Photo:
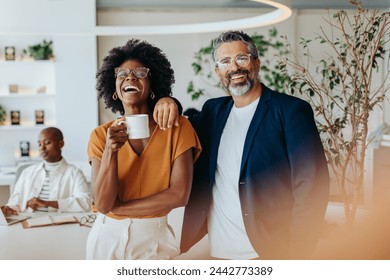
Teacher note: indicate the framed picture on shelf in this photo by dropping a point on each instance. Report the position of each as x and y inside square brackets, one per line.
[15, 117]
[3, 114]
[9, 53]
[39, 116]
[24, 148]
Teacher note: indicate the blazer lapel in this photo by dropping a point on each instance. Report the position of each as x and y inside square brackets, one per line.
[255, 123]
[221, 118]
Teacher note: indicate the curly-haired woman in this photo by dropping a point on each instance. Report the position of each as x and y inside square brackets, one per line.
[137, 182]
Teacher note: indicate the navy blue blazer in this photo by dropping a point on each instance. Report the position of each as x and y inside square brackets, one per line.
[284, 180]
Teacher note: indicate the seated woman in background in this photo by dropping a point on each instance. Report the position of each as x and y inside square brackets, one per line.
[137, 182]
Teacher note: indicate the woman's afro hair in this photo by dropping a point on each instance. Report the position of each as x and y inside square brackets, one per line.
[161, 74]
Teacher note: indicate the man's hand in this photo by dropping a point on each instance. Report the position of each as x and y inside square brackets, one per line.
[35, 203]
[166, 113]
[8, 211]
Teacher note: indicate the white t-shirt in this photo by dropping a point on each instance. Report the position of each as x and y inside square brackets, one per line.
[227, 236]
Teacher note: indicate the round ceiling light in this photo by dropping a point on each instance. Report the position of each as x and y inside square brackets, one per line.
[281, 12]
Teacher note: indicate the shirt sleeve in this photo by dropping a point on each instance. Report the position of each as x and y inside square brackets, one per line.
[15, 199]
[97, 142]
[186, 138]
[80, 199]
[21, 191]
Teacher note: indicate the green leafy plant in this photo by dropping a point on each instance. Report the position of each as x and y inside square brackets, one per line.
[340, 87]
[269, 49]
[2, 115]
[41, 51]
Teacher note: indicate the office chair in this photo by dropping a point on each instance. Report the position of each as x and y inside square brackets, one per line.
[20, 169]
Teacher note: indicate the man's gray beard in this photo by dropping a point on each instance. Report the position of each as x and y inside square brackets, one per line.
[240, 90]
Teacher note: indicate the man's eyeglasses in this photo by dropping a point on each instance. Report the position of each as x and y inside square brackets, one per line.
[88, 220]
[241, 60]
[139, 72]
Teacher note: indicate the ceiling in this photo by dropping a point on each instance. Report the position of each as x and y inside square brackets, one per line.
[296, 4]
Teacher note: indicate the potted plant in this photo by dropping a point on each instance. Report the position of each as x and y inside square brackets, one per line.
[2, 115]
[268, 48]
[41, 51]
[340, 87]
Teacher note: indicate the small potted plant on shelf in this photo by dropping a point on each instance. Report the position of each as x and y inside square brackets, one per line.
[2, 115]
[41, 51]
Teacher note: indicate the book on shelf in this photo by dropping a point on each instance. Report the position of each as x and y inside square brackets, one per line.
[50, 220]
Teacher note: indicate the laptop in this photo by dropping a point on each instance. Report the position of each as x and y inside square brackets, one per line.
[6, 221]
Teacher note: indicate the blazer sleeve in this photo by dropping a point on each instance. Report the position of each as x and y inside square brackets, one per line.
[80, 198]
[15, 200]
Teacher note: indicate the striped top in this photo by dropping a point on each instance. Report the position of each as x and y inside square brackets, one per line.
[45, 191]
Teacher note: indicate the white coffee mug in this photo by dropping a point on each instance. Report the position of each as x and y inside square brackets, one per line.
[137, 126]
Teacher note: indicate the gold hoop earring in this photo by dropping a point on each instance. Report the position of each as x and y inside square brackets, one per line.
[152, 96]
[115, 96]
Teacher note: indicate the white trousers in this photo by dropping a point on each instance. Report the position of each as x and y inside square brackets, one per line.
[131, 239]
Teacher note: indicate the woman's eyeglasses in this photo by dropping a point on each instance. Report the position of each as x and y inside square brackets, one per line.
[241, 60]
[139, 72]
[88, 220]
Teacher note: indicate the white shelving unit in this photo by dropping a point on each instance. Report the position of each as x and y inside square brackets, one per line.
[70, 101]
[30, 77]
[27, 104]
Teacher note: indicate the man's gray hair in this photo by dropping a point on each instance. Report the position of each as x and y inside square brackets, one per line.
[232, 36]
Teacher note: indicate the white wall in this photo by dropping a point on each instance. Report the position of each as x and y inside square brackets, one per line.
[78, 53]
[70, 24]
[77, 110]
[386, 71]
[74, 35]
[76, 49]
[47, 16]
[180, 48]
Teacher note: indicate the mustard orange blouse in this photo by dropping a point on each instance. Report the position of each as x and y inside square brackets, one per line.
[149, 173]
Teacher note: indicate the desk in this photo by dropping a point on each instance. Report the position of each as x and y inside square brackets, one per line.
[60, 242]
[7, 176]
[68, 242]
[6, 179]
[6, 184]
